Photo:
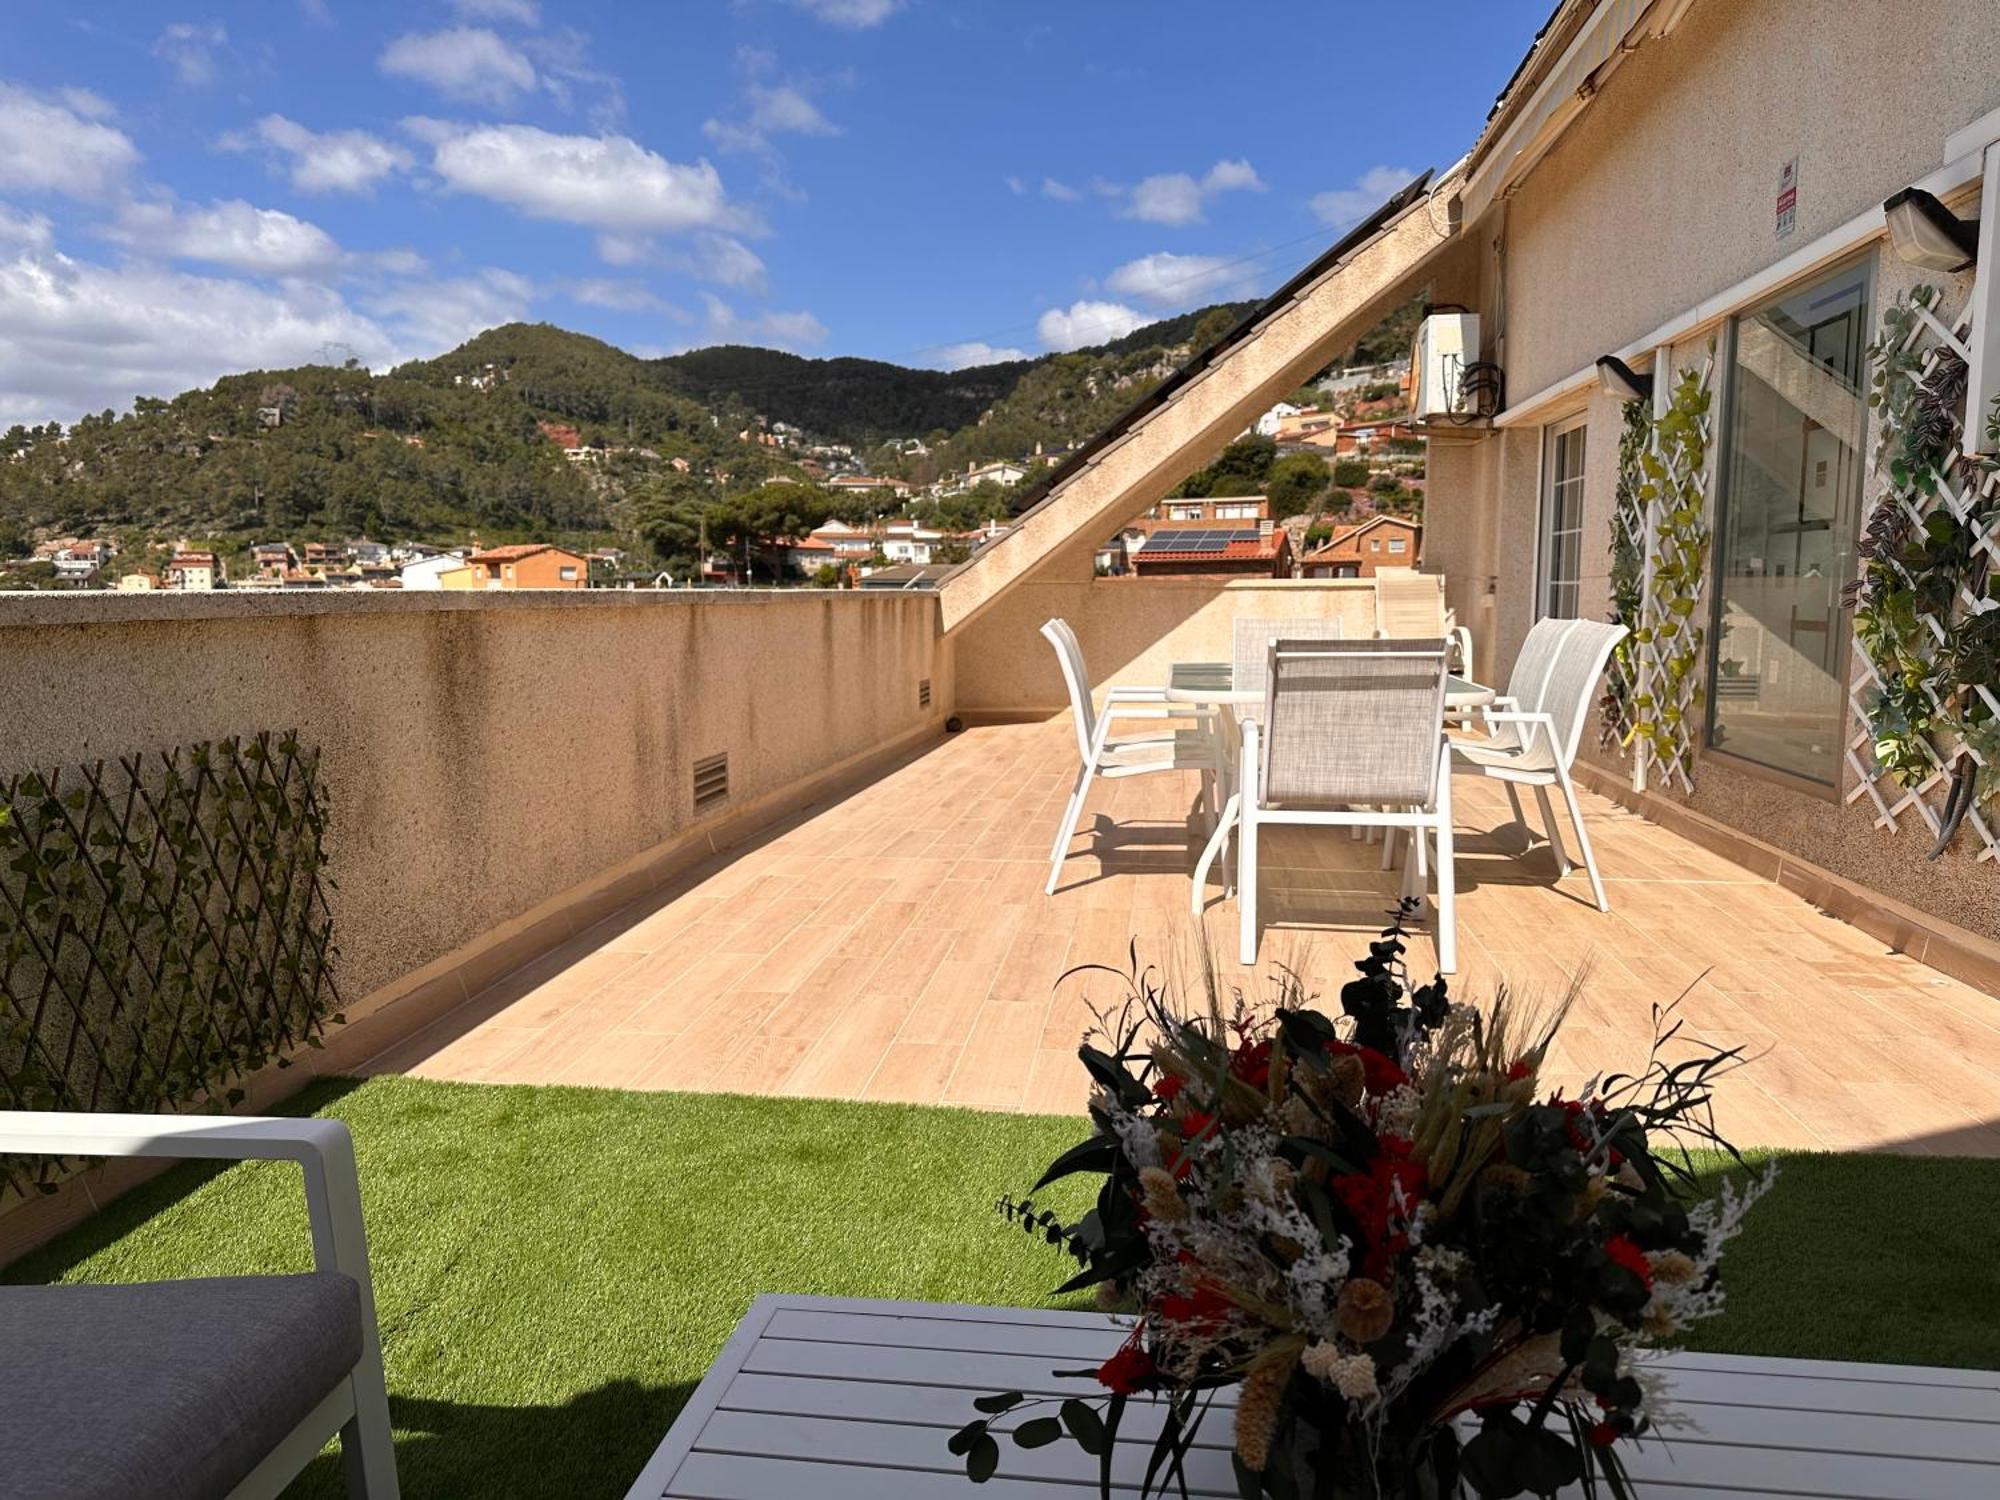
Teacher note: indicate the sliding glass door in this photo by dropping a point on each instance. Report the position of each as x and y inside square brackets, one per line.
[1789, 516]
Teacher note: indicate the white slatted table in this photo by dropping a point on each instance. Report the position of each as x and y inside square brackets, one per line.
[834, 1398]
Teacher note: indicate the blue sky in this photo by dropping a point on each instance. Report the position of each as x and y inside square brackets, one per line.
[187, 192]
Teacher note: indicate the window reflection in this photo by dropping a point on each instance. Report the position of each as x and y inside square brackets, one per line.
[1789, 517]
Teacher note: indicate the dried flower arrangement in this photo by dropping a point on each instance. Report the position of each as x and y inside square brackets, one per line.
[1410, 1273]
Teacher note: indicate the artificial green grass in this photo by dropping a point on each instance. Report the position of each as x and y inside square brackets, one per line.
[555, 1268]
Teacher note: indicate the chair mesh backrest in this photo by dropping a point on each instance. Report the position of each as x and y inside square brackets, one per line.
[1357, 722]
[1251, 665]
[1530, 677]
[1069, 656]
[1572, 685]
[1408, 604]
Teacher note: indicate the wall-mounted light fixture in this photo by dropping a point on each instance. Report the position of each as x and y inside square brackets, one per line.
[1925, 233]
[1619, 380]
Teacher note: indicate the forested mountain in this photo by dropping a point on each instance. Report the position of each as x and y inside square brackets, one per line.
[440, 448]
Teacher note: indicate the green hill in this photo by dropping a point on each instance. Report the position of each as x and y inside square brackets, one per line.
[440, 448]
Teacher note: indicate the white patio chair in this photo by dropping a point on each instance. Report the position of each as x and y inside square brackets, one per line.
[1410, 606]
[1353, 736]
[1535, 728]
[1194, 749]
[225, 1386]
[1250, 665]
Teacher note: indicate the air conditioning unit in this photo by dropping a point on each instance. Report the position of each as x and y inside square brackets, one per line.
[1446, 344]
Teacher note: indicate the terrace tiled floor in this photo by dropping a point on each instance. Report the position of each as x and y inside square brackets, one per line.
[896, 944]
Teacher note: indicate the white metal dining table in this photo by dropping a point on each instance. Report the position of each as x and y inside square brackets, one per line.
[837, 1398]
[1210, 684]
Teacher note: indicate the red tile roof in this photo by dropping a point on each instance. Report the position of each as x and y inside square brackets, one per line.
[516, 551]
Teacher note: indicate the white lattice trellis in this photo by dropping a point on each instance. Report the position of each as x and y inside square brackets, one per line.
[1666, 520]
[1966, 490]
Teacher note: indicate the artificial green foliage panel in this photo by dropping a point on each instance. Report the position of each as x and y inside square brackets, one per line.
[164, 928]
[1926, 614]
[1660, 547]
[1616, 723]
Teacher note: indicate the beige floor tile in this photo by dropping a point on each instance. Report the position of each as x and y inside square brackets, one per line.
[897, 944]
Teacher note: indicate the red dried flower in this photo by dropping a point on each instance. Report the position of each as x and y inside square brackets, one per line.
[1520, 1069]
[1373, 1196]
[1168, 1086]
[1129, 1369]
[1252, 1064]
[1379, 1071]
[1624, 1251]
[1205, 1307]
[1603, 1434]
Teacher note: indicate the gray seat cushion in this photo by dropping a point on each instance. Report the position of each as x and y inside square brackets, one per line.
[169, 1389]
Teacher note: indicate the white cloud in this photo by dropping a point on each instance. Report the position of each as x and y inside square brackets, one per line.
[520, 12]
[239, 235]
[976, 352]
[609, 182]
[333, 161]
[1338, 208]
[770, 109]
[781, 330]
[469, 63]
[1085, 323]
[32, 230]
[718, 258]
[620, 296]
[1167, 280]
[725, 261]
[76, 337]
[856, 15]
[437, 315]
[47, 146]
[189, 47]
[1232, 176]
[1015, 185]
[88, 103]
[1178, 198]
[1062, 192]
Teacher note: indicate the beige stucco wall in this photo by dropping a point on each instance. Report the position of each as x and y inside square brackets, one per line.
[1663, 192]
[1660, 197]
[1132, 630]
[483, 753]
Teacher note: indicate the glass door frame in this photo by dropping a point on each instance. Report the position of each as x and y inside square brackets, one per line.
[1725, 390]
[1552, 434]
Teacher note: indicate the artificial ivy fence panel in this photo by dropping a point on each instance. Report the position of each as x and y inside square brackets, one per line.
[164, 928]
[1925, 736]
[1618, 723]
[1660, 544]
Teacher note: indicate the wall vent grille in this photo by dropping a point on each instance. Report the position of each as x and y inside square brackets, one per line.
[924, 693]
[711, 780]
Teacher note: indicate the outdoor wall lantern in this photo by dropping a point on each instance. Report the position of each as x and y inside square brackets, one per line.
[1620, 380]
[1925, 233]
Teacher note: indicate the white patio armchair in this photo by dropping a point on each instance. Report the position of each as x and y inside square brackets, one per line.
[1197, 748]
[1352, 736]
[1410, 606]
[1534, 729]
[183, 1390]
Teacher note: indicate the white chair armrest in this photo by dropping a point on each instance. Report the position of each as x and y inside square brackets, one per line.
[1530, 723]
[323, 1148]
[1136, 693]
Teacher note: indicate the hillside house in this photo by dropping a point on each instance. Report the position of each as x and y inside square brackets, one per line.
[1356, 551]
[272, 560]
[526, 565]
[194, 572]
[1263, 550]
